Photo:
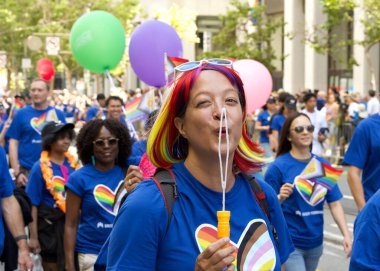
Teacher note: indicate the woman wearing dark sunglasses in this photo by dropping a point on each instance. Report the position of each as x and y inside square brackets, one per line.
[303, 214]
[103, 147]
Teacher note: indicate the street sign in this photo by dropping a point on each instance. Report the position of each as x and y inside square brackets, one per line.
[3, 60]
[34, 43]
[52, 45]
[26, 63]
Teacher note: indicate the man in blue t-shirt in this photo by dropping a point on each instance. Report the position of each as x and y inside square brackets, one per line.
[11, 212]
[363, 159]
[25, 131]
[94, 112]
[366, 247]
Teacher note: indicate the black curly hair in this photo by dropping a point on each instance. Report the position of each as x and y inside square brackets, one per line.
[91, 130]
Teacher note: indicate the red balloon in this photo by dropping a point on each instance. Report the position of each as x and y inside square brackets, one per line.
[43, 62]
[46, 72]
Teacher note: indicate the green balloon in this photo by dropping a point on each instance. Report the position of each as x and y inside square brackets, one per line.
[97, 41]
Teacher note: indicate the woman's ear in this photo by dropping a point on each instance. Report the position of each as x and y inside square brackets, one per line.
[178, 123]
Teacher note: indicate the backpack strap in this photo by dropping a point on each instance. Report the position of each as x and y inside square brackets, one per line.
[165, 181]
[262, 201]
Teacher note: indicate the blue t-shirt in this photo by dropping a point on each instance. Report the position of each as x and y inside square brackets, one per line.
[36, 187]
[92, 111]
[193, 226]
[277, 122]
[26, 127]
[264, 118]
[70, 111]
[363, 152]
[303, 216]
[6, 190]
[366, 247]
[3, 119]
[97, 190]
[138, 149]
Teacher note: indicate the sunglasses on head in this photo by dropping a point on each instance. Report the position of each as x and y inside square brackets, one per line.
[300, 129]
[188, 66]
[102, 142]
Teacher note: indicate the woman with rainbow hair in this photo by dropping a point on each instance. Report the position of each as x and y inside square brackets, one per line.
[200, 125]
[295, 176]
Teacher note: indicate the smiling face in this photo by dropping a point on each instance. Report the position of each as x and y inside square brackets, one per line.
[114, 109]
[302, 139]
[200, 124]
[105, 153]
[62, 143]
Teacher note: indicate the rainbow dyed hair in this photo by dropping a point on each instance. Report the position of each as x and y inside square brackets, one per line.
[165, 145]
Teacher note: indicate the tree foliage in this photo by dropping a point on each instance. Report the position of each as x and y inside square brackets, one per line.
[341, 12]
[247, 33]
[23, 18]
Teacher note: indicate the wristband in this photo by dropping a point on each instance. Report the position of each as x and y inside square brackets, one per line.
[21, 237]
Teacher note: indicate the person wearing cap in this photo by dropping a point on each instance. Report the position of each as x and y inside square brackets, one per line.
[47, 194]
[262, 124]
[289, 107]
[25, 131]
[318, 120]
[98, 110]
[362, 157]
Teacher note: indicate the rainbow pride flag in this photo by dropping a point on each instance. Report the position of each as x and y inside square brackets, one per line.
[170, 63]
[305, 187]
[18, 105]
[330, 178]
[132, 112]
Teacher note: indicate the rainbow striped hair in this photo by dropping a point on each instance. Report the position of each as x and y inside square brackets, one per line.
[165, 145]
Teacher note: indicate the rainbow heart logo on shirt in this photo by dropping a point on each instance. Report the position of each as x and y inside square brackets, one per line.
[59, 185]
[311, 192]
[105, 197]
[254, 251]
[39, 123]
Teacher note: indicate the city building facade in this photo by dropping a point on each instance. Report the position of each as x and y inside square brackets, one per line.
[302, 67]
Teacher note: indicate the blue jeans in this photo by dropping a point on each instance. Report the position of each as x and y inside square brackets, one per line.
[304, 260]
[267, 150]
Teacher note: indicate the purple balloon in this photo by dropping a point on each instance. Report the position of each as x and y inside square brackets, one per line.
[149, 43]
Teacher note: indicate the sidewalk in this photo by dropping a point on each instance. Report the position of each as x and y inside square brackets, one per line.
[331, 231]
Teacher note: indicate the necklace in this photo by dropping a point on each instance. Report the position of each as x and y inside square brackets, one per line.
[47, 174]
[300, 158]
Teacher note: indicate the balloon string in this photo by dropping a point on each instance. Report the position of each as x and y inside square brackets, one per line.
[110, 79]
[223, 177]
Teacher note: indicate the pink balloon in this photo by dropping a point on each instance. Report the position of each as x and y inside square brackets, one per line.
[257, 82]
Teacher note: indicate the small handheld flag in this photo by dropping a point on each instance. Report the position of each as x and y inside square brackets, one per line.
[330, 178]
[170, 63]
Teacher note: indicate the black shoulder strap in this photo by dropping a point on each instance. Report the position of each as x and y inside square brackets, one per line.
[262, 200]
[165, 181]
[259, 195]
